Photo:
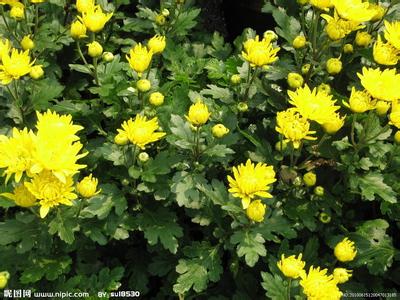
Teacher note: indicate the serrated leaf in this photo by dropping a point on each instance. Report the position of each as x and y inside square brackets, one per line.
[218, 150]
[250, 245]
[275, 287]
[218, 93]
[372, 184]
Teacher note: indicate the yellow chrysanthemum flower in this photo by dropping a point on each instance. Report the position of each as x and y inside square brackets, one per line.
[5, 47]
[198, 114]
[87, 187]
[260, 53]
[354, 10]
[342, 275]
[345, 250]
[84, 5]
[157, 44]
[251, 180]
[37, 1]
[291, 266]
[360, 101]
[394, 116]
[139, 58]
[256, 211]
[94, 18]
[16, 153]
[382, 85]
[385, 53]
[337, 28]
[392, 33]
[9, 2]
[321, 4]
[15, 65]
[313, 105]
[17, 11]
[382, 107]
[334, 124]
[293, 127]
[140, 131]
[318, 285]
[379, 11]
[78, 30]
[56, 146]
[21, 196]
[50, 191]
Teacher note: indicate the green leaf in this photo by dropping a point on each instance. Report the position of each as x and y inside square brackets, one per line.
[277, 224]
[218, 93]
[275, 287]
[250, 245]
[185, 187]
[202, 265]
[80, 68]
[44, 91]
[215, 68]
[50, 268]
[220, 49]
[64, 227]
[218, 150]
[160, 225]
[184, 136]
[185, 22]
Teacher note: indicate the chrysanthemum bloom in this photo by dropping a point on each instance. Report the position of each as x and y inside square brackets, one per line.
[21, 196]
[392, 33]
[157, 44]
[259, 53]
[139, 58]
[342, 275]
[382, 107]
[293, 127]
[299, 42]
[87, 187]
[385, 53]
[56, 146]
[354, 10]
[78, 30]
[16, 153]
[17, 11]
[382, 85]
[321, 4]
[291, 266]
[256, 211]
[338, 28]
[5, 47]
[360, 101]
[198, 114]
[84, 5]
[363, 38]
[379, 11]
[313, 105]
[95, 19]
[219, 130]
[250, 181]
[94, 49]
[50, 191]
[15, 66]
[140, 132]
[345, 250]
[9, 2]
[156, 98]
[334, 124]
[295, 80]
[36, 72]
[333, 66]
[318, 285]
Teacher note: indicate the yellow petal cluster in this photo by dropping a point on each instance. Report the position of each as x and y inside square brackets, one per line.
[345, 250]
[321, 4]
[260, 53]
[250, 180]
[382, 85]
[317, 284]
[360, 101]
[337, 28]
[291, 266]
[198, 114]
[14, 66]
[94, 18]
[78, 30]
[140, 131]
[392, 33]
[84, 5]
[87, 187]
[21, 196]
[293, 127]
[139, 58]
[354, 10]
[256, 211]
[342, 275]
[385, 53]
[334, 124]
[157, 44]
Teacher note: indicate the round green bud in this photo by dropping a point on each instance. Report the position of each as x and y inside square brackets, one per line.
[319, 191]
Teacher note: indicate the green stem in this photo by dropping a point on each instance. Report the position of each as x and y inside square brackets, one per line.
[78, 46]
[289, 287]
[6, 23]
[249, 82]
[196, 142]
[352, 137]
[79, 208]
[35, 30]
[96, 76]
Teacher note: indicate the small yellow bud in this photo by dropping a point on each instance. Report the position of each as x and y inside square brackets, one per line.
[319, 191]
[84, 5]
[242, 106]
[143, 157]
[324, 88]
[348, 48]
[382, 107]
[333, 66]
[334, 124]
[299, 42]
[4, 276]
[198, 114]
[363, 38]
[87, 187]
[165, 12]
[157, 44]
[27, 43]
[219, 130]
[341, 275]
[156, 98]
[295, 80]
[291, 266]
[310, 178]
[94, 49]
[143, 85]
[305, 69]
[379, 11]
[121, 139]
[324, 218]
[235, 79]
[271, 35]
[297, 181]
[256, 211]
[17, 11]
[160, 20]
[107, 56]
[345, 250]
[36, 72]
[397, 137]
[281, 145]
[78, 30]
